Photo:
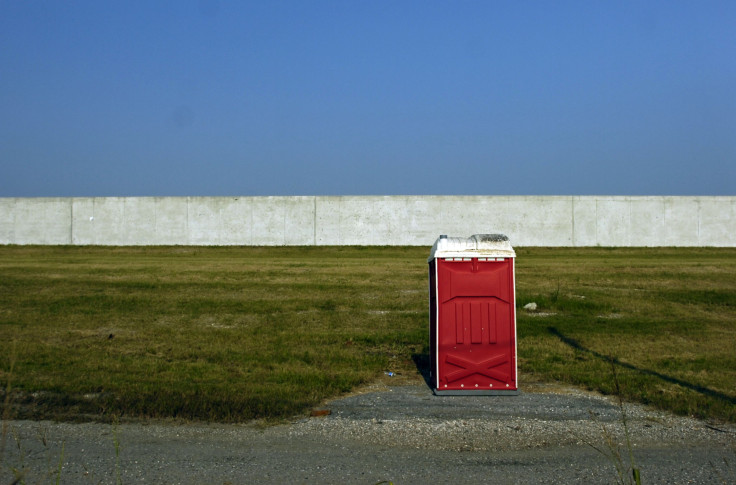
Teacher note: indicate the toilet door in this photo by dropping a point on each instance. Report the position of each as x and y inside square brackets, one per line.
[476, 335]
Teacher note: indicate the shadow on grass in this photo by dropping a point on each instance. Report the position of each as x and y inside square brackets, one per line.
[695, 387]
[423, 366]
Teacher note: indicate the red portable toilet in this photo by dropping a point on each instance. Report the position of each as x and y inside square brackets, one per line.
[472, 316]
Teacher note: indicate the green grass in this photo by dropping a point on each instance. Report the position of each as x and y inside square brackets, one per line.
[232, 334]
[665, 317]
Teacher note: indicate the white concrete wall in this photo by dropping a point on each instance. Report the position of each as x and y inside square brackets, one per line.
[369, 220]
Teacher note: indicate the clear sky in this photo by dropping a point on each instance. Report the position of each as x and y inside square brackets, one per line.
[353, 97]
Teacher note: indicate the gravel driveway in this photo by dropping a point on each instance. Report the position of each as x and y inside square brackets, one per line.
[399, 433]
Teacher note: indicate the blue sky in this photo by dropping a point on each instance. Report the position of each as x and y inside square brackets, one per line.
[156, 98]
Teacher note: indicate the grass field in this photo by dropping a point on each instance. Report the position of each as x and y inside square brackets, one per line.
[232, 334]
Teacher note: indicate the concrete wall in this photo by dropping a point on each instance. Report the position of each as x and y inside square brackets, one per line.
[368, 220]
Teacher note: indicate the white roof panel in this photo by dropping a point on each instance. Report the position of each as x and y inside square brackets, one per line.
[477, 245]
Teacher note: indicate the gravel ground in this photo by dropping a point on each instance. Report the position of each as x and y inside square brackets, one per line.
[399, 433]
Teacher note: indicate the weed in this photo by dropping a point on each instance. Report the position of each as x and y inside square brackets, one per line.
[7, 408]
[626, 468]
[116, 442]
[61, 464]
[19, 471]
[635, 472]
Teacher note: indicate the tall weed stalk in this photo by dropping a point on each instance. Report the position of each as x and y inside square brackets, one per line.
[626, 468]
[6, 407]
[116, 441]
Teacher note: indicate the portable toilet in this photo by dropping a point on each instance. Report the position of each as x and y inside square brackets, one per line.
[472, 316]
